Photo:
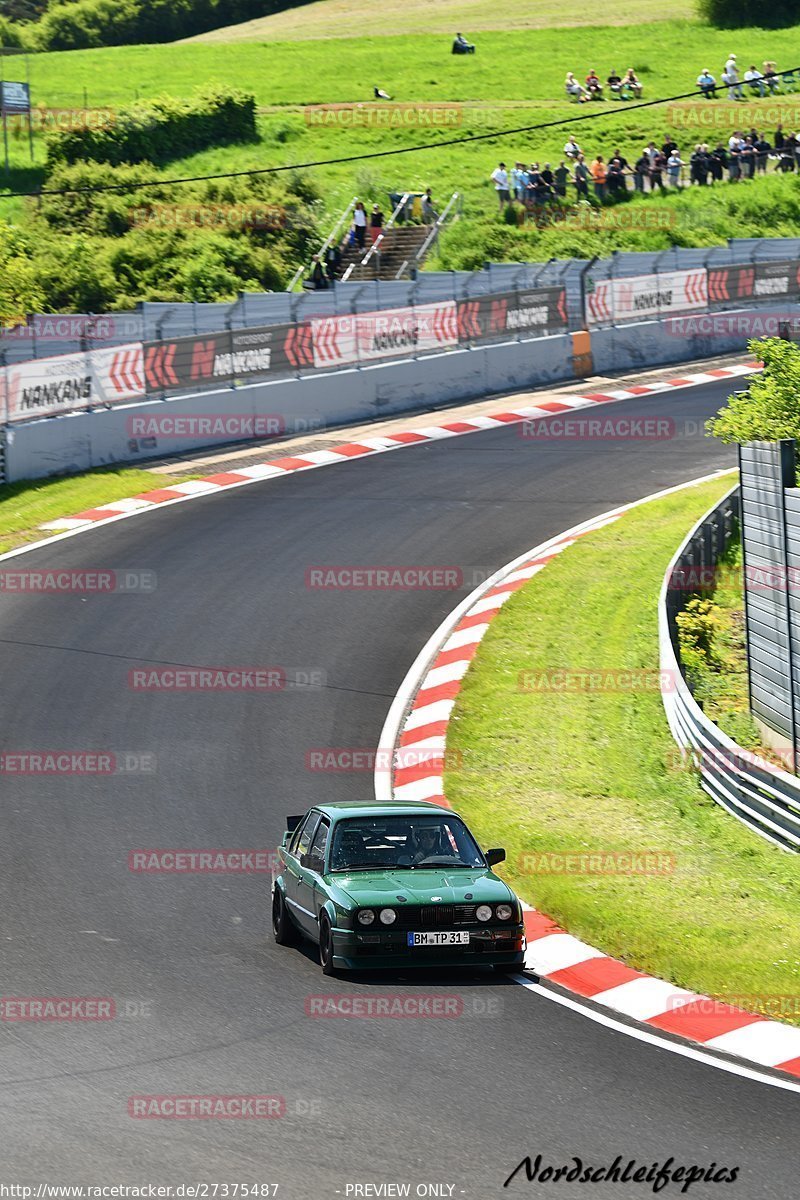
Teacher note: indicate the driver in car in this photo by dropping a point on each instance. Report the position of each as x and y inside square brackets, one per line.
[425, 843]
[349, 850]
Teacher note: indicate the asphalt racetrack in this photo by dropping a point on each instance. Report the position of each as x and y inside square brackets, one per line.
[205, 1002]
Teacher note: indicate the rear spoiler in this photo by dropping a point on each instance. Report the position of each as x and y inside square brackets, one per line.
[293, 822]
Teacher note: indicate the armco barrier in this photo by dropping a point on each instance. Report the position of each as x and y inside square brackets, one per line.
[765, 798]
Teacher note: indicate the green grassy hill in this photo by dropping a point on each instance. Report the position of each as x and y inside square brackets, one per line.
[516, 80]
[353, 18]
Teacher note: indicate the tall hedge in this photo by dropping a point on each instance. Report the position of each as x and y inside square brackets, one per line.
[159, 130]
[84, 23]
[742, 14]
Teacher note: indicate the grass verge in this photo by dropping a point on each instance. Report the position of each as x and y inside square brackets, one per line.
[543, 772]
[25, 506]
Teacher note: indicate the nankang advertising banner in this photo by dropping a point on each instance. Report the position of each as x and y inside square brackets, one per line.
[69, 382]
[393, 332]
[215, 358]
[613, 300]
[537, 311]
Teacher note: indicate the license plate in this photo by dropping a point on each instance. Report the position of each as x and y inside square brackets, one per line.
[440, 937]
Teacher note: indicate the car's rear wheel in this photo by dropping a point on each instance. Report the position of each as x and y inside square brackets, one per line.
[326, 946]
[283, 929]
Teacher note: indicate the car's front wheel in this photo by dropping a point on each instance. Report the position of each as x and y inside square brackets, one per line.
[326, 945]
[282, 928]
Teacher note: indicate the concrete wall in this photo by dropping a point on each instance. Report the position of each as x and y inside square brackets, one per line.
[78, 442]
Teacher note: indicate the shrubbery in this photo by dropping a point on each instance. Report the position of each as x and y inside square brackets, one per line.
[742, 14]
[81, 24]
[159, 130]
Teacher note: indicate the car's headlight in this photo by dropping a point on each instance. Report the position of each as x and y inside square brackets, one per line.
[366, 916]
[388, 916]
[504, 912]
[483, 912]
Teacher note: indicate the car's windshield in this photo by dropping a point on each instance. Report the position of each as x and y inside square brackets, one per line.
[373, 843]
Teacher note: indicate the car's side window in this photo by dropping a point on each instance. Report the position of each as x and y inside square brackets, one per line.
[315, 859]
[302, 839]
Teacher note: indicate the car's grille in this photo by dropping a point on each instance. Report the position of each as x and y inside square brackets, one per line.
[433, 916]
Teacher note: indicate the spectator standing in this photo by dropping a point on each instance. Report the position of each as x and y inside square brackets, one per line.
[582, 176]
[599, 174]
[718, 162]
[615, 179]
[561, 176]
[657, 171]
[698, 166]
[641, 171]
[333, 263]
[731, 79]
[734, 160]
[375, 223]
[778, 140]
[674, 164]
[518, 181]
[548, 179]
[318, 280]
[748, 159]
[429, 213]
[707, 84]
[762, 154]
[360, 224]
[651, 150]
[500, 178]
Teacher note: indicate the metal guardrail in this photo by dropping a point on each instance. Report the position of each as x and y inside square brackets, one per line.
[762, 796]
[375, 248]
[305, 269]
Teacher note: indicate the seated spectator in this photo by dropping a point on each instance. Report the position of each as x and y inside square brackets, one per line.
[614, 82]
[572, 149]
[573, 88]
[631, 81]
[770, 76]
[593, 85]
[755, 80]
[707, 84]
[462, 46]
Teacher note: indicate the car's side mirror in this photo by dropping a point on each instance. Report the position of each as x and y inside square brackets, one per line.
[493, 857]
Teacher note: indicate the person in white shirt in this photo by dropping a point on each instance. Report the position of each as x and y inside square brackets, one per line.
[575, 89]
[572, 149]
[500, 177]
[756, 80]
[731, 79]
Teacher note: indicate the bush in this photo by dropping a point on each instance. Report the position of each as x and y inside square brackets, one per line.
[159, 130]
[80, 24]
[739, 14]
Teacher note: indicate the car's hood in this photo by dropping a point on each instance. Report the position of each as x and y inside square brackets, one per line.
[423, 886]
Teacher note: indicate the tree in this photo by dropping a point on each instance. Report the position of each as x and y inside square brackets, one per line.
[743, 14]
[20, 290]
[770, 407]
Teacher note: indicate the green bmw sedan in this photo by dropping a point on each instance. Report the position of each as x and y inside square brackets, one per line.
[394, 885]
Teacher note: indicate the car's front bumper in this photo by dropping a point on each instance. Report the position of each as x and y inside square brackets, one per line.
[356, 951]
